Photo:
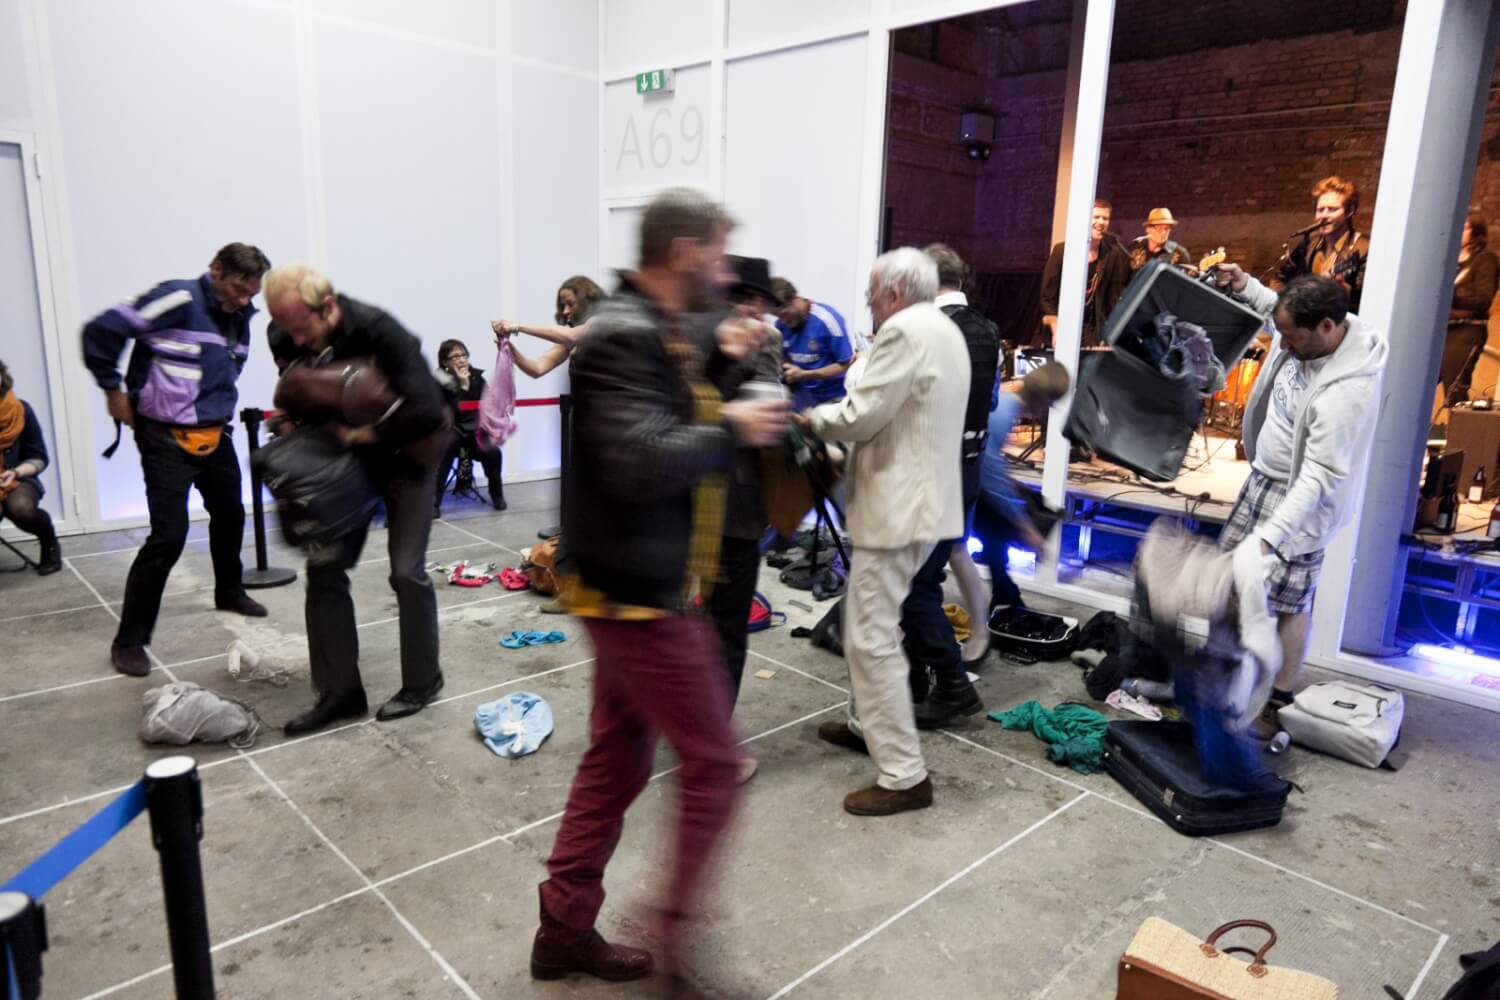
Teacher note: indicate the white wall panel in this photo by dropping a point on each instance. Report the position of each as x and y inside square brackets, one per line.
[557, 230]
[412, 176]
[794, 128]
[558, 31]
[622, 240]
[163, 167]
[471, 22]
[755, 21]
[649, 34]
[15, 101]
[655, 140]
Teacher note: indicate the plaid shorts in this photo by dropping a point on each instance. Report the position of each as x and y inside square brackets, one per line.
[1293, 583]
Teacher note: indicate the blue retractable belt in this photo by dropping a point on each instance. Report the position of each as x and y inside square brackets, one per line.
[37, 878]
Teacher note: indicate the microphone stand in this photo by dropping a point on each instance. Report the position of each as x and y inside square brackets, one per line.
[1453, 387]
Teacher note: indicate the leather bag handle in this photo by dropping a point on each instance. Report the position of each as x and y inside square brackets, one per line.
[1258, 963]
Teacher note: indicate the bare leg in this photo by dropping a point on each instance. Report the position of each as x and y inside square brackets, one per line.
[1294, 631]
[976, 601]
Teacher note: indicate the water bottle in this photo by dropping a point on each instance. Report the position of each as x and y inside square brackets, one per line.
[1279, 742]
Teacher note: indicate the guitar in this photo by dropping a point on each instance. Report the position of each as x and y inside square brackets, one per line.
[1207, 265]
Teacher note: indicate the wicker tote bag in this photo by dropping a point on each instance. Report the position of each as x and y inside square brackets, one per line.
[1165, 962]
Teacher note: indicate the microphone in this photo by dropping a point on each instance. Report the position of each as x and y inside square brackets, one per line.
[1307, 229]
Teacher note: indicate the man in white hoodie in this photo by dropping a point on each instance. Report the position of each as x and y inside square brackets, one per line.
[1308, 423]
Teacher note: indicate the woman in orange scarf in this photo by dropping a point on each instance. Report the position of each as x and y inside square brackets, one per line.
[23, 456]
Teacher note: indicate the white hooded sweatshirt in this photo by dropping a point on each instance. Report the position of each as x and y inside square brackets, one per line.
[1330, 434]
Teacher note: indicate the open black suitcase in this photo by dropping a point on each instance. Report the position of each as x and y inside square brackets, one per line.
[1157, 762]
[1124, 408]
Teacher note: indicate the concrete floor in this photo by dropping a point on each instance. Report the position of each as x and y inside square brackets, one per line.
[401, 859]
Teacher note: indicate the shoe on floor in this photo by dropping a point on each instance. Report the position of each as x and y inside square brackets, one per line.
[240, 603]
[50, 560]
[407, 702]
[551, 532]
[1268, 724]
[497, 500]
[130, 660]
[943, 708]
[840, 735]
[558, 950]
[330, 708]
[748, 768]
[877, 801]
[554, 607]
[437, 513]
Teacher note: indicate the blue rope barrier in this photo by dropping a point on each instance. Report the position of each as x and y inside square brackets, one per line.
[73, 850]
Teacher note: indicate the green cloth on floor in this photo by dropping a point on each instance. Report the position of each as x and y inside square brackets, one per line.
[1074, 733]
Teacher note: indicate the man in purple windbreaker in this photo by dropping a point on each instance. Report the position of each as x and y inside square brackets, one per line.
[192, 337]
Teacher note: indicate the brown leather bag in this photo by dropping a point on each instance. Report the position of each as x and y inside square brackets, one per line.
[356, 392]
[540, 566]
[1165, 962]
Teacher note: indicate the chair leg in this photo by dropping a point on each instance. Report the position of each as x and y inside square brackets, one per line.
[26, 561]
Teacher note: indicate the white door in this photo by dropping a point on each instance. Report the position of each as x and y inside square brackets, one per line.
[23, 329]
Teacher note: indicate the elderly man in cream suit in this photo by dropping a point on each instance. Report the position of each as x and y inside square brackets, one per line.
[905, 421]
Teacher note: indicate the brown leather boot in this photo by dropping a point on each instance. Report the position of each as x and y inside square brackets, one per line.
[559, 949]
[877, 801]
[840, 735]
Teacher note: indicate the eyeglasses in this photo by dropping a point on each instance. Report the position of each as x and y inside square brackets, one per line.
[457, 357]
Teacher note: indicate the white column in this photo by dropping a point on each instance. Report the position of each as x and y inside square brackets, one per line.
[1069, 123]
[1083, 174]
[1437, 108]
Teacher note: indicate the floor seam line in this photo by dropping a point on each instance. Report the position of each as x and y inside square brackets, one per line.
[411, 929]
[1416, 985]
[481, 538]
[812, 677]
[931, 894]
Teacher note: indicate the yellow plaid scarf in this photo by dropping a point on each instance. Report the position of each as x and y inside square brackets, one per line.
[710, 496]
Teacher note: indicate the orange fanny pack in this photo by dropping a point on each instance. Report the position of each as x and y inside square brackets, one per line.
[198, 441]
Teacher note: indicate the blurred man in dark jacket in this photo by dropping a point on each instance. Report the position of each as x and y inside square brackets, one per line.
[322, 323]
[643, 510]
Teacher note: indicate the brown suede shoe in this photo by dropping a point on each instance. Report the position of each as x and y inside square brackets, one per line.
[559, 950]
[840, 735]
[877, 801]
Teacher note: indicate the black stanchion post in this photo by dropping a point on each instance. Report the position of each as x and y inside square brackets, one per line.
[174, 797]
[262, 575]
[23, 938]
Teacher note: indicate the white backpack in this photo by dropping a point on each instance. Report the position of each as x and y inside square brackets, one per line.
[1354, 720]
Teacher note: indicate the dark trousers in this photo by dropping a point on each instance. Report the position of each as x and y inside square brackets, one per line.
[22, 506]
[491, 461]
[170, 472]
[1461, 350]
[649, 679]
[929, 640]
[995, 530]
[729, 605]
[333, 640]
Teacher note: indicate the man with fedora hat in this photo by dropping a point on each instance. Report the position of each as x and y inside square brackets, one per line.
[1158, 242]
[745, 518]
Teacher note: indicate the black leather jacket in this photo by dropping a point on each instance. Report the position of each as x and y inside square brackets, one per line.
[637, 454]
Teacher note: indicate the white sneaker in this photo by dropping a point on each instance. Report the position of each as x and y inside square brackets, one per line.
[748, 767]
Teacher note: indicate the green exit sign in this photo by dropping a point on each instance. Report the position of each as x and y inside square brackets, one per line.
[655, 81]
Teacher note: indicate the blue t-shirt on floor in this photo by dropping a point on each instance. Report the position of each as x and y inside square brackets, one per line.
[823, 340]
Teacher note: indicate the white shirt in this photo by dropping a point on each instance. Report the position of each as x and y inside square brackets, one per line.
[1274, 445]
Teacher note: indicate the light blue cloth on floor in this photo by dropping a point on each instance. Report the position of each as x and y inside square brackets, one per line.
[516, 725]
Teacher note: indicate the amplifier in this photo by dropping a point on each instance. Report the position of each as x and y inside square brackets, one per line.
[1477, 434]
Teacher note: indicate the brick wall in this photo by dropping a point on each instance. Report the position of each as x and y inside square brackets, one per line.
[1229, 135]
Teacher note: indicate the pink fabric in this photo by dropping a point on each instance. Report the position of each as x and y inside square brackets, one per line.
[497, 407]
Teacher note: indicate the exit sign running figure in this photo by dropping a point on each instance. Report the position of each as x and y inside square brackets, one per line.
[654, 81]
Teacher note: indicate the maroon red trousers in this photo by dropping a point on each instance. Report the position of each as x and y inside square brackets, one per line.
[655, 677]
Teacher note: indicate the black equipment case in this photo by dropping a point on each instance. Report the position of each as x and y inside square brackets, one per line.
[1157, 762]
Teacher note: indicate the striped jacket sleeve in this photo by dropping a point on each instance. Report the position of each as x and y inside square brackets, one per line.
[105, 336]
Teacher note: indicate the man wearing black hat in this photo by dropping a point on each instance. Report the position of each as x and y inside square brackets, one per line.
[745, 516]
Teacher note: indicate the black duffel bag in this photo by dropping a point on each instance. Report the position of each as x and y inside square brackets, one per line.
[321, 488]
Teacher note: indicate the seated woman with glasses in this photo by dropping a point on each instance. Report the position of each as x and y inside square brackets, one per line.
[453, 358]
[23, 456]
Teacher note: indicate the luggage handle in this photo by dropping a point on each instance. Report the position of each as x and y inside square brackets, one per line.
[1258, 962]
